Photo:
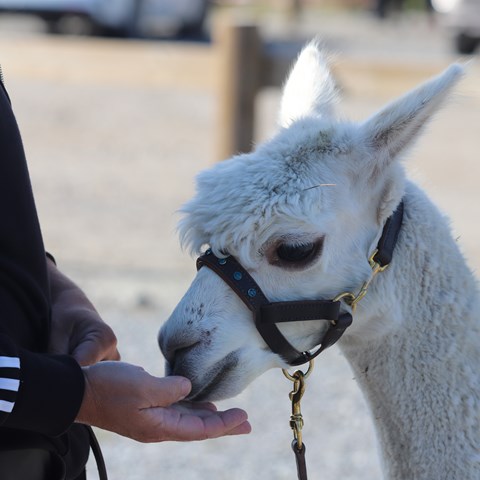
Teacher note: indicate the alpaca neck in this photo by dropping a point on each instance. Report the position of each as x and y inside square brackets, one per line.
[420, 375]
[420, 411]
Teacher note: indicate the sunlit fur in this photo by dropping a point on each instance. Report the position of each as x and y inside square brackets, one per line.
[414, 342]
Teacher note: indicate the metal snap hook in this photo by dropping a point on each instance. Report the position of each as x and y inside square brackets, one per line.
[306, 374]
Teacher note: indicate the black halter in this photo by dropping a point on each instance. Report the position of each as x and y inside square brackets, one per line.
[267, 314]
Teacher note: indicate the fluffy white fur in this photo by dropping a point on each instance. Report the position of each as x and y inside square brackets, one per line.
[414, 342]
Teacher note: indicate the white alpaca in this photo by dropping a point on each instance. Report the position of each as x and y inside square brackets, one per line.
[414, 344]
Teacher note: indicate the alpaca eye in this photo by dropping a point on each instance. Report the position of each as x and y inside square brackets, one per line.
[298, 254]
[295, 253]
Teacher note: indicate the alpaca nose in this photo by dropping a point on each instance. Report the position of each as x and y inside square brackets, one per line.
[175, 348]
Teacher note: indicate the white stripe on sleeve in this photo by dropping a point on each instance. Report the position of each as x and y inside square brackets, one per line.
[9, 384]
[6, 406]
[9, 362]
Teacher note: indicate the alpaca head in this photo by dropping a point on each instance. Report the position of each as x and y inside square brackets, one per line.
[302, 213]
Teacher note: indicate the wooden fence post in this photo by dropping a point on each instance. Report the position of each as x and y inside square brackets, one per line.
[239, 56]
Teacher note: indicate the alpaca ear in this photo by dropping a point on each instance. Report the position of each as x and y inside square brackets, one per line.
[310, 89]
[395, 128]
[389, 132]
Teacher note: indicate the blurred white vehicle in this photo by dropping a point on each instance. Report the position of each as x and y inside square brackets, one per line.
[146, 18]
[462, 18]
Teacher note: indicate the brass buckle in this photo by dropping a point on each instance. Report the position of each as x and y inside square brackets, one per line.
[376, 267]
[352, 300]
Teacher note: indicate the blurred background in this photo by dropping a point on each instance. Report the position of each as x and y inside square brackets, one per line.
[121, 103]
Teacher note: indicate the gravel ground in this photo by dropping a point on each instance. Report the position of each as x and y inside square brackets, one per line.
[110, 165]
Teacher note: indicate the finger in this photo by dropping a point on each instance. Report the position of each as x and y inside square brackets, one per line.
[243, 429]
[195, 406]
[115, 356]
[168, 390]
[112, 354]
[108, 340]
[190, 426]
[93, 349]
[88, 352]
[230, 422]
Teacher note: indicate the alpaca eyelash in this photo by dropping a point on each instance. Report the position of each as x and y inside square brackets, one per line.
[320, 185]
[279, 251]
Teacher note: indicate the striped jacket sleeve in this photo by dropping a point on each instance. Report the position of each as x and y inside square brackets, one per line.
[9, 377]
[38, 392]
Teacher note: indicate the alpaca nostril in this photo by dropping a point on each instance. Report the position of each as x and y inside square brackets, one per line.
[174, 348]
[179, 355]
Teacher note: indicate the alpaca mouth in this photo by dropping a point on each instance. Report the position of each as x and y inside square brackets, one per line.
[214, 383]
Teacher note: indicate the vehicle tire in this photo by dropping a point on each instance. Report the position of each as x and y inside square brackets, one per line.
[72, 25]
[191, 31]
[465, 44]
[197, 28]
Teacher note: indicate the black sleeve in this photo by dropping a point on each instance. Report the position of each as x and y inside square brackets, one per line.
[9, 377]
[38, 392]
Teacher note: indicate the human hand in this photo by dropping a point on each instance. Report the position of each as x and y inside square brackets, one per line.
[125, 399]
[77, 328]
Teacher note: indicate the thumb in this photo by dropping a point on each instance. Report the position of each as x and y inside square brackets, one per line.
[86, 353]
[168, 390]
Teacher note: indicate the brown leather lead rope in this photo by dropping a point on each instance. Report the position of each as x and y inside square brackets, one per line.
[300, 460]
[296, 418]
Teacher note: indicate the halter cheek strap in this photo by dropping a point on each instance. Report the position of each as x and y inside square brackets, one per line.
[267, 314]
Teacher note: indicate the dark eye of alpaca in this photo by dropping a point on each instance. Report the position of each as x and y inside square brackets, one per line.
[298, 254]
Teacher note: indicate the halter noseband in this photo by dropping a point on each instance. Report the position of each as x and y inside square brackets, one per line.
[267, 314]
